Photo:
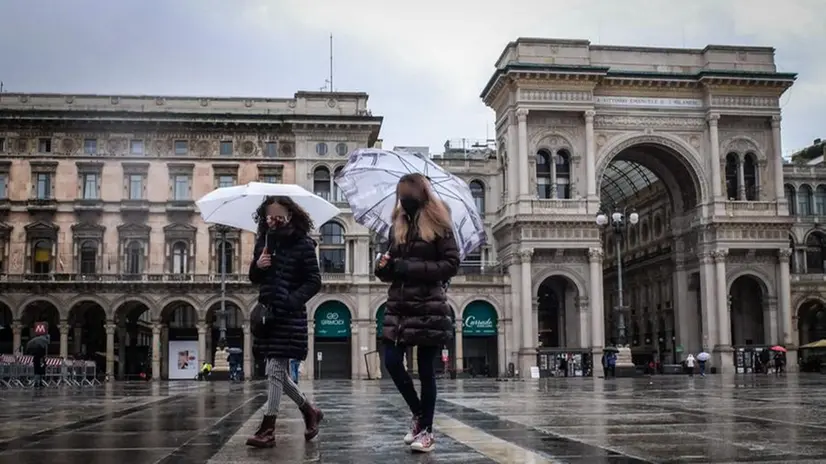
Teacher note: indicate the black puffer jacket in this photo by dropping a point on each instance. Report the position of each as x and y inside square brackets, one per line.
[279, 322]
[417, 312]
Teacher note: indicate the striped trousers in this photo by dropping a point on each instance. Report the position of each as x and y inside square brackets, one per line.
[279, 382]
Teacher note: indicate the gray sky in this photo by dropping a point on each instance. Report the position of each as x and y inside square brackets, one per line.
[423, 63]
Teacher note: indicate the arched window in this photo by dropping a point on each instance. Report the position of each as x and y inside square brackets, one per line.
[563, 174]
[658, 226]
[804, 201]
[793, 258]
[332, 254]
[228, 256]
[543, 174]
[338, 195]
[645, 233]
[477, 190]
[815, 253]
[750, 176]
[180, 258]
[134, 258]
[820, 201]
[732, 183]
[42, 256]
[88, 257]
[791, 198]
[321, 183]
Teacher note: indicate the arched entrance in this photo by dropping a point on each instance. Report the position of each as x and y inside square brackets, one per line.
[748, 312]
[6, 331]
[41, 311]
[811, 322]
[184, 348]
[235, 330]
[332, 341]
[133, 340]
[480, 339]
[556, 312]
[87, 333]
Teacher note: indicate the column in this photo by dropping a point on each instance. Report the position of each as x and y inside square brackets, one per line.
[522, 132]
[709, 302]
[501, 350]
[202, 354]
[248, 351]
[123, 342]
[528, 355]
[514, 271]
[16, 331]
[78, 339]
[590, 156]
[362, 249]
[513, 157]
[64, 339]
[685, 319]
[460, 351]
[784, 301]
[553, 176]
[355, 349]
[777, 159]
[714, 141]
[722, 306]
[584, 339]
[110, 349]
[595, 298]
[741, 180]
[156, 351]
[310, 363]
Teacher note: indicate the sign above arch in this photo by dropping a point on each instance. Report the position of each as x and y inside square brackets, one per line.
[479, 320]
[332, 320]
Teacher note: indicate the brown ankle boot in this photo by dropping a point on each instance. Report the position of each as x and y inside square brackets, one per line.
[265, 435]
[312, 418]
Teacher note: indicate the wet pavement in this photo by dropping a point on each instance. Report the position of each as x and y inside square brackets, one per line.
[675, 419]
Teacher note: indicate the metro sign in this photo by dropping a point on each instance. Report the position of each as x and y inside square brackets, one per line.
[41, 328]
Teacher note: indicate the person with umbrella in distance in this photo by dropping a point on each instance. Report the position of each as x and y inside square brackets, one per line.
[422, 255]
[285, 268]
[702, 359]
[37, 348]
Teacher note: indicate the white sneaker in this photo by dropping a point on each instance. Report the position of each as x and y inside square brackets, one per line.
[423, 442]
[414, 430]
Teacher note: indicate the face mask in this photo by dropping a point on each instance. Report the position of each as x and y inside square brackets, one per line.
[410, 205]
[278, 221]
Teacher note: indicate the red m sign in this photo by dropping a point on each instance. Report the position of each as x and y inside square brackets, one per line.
[41, 328]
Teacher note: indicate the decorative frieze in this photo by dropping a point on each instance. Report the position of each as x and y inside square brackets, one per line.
[735, 101]
[633, 121]
[566, 96]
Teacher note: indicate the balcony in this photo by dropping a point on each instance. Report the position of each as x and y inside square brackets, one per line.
[135, 206]
[124, 278]
[180, 206]
[42, 205]
[751, 208]
[93, 205]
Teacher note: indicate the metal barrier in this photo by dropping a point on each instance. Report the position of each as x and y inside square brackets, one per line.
[18, 372]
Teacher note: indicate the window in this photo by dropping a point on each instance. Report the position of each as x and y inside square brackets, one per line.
[338, 195]
[321, 148]
[804, 201]
[732, 183]
[477, 190]
[472, 264]
[750, 176]
[90, 186]
[42, 256]
[820, 201]
[43, 186]
[88, 257]
[270, 179]
[791, 198]
[270, 150]
[816, 253]
[180, 258]
[543, 174]
[44, 145]
[226, 181]
[4, 182]
[226, 148]
[341, 149]
[332, 254]
[180, 191]
[563, 174]
[136, 186]
[90, 146]
[2, 145]
[136, 147]
[134, 258]
[228, 256]
[181, 147]
[321, 182]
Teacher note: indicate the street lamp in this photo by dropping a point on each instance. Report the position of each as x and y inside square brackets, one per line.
[619, 225]
[222, 314]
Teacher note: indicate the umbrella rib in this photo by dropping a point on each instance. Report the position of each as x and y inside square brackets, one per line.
[226, 202]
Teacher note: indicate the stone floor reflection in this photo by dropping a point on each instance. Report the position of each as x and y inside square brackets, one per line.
[675, 419]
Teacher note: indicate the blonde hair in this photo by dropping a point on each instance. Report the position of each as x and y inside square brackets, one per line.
[432, 220]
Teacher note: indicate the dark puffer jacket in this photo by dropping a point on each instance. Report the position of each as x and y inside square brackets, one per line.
[279, 322]
[417, 312]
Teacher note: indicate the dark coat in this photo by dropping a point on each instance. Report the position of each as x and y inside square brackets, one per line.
[279, 322]
[417, 311]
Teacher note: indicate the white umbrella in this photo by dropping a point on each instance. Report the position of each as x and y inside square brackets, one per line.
[703, 356]
[235, 206]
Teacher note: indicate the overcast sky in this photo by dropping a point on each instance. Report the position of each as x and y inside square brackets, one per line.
[423, 63]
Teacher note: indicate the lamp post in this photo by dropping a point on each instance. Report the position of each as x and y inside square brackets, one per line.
[222, 314]
[619, 221]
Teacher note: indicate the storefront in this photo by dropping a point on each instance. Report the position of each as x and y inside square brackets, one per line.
[479, 339]
[332, 352]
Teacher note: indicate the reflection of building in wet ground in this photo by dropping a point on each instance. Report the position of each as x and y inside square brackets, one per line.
[478, 421]
[100, 236]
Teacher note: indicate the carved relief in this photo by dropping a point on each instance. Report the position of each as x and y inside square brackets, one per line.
[68, 146]
[555, 95]
[162, 147]
[117, 146]
[248, 148]
[204, 148]
[745, 101]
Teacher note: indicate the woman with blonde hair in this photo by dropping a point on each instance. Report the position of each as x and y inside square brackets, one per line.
[422, 255]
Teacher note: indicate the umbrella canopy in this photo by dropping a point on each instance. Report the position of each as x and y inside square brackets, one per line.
[817, 344]
[778, 348]
[703, 356]
[369, 179]
[234, 206]
[38, 346]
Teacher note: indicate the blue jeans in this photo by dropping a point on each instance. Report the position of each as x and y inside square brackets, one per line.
[294, 363]
[394, 361]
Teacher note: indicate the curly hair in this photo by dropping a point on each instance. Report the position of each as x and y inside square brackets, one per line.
[300, 220]
[434, 218]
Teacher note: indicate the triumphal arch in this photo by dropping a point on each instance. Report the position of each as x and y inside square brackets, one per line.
[687, 141]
